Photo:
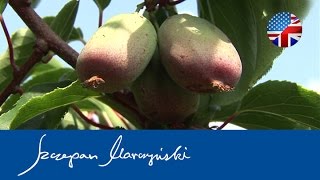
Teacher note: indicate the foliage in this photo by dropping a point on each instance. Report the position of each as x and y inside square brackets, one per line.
[51, 89]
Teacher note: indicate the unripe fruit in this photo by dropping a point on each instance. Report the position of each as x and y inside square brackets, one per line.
[117, 53]
[197, 55]
[159, 98]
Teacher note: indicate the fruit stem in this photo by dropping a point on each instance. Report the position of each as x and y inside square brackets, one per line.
[154, 21]
[100, 17]
[229, 120]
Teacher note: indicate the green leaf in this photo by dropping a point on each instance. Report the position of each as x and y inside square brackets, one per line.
[128, 114]
[107, 116]
[37, 90]
[208, 110]
[35, 3]
[53, 75]
[102, 4]
[28, 107]
[48, 120]
[244, 22]
[50, 76]
[43, 67]
[76, 34]
[3, 5]
[72, 121]
[64, 21]
[279, 105]
[9, 103]
[23, 41]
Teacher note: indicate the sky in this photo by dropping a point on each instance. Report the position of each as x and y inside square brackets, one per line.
[300, 63]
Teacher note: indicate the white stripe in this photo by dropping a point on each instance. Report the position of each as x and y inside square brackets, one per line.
[279, 41]
[274, 32]
[295, 34]
[295, 25]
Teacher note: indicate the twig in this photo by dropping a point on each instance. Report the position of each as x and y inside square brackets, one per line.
[127, 100]
[14, 66]
[89, 121]
[43, 31]
[229, 120]
[40, 50]
[122, 119]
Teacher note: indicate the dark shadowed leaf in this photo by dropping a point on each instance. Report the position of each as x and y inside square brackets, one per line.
[63, 22]
[102, 4]
[278, 105]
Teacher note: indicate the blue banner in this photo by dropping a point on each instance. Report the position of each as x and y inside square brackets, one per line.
[160, 154]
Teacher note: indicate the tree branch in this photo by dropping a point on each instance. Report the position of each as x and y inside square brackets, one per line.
[14, 66]
[43, 31]
[89, 121]
[40, 50]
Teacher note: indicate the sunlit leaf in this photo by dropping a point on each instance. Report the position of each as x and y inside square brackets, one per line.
[35, 103]
[63, 22]
[278, 105]
[102, 4]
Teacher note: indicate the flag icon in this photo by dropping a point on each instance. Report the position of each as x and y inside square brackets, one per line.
[284, 29]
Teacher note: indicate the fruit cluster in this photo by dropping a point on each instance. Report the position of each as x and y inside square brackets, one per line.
[167, 70]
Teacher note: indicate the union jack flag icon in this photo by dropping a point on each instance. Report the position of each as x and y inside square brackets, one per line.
[284, 29]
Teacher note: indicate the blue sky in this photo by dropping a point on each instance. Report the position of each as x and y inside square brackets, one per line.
[300, 63]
